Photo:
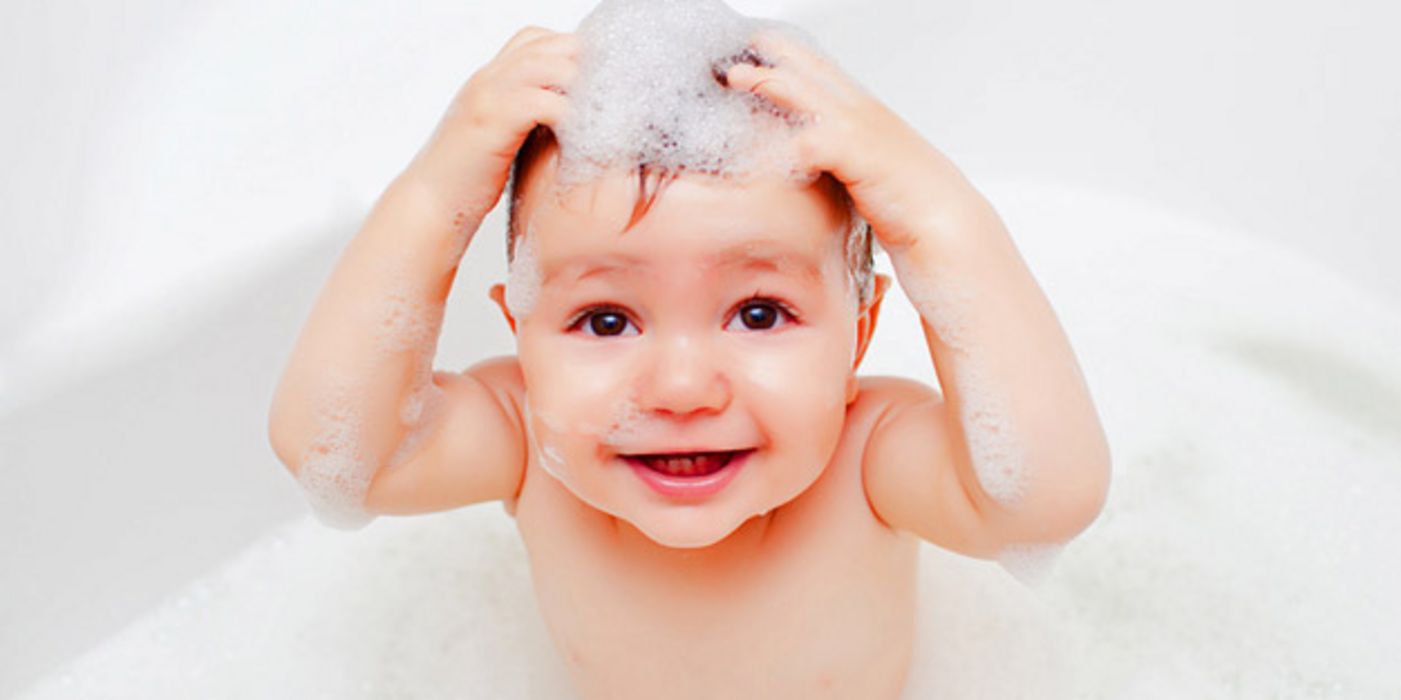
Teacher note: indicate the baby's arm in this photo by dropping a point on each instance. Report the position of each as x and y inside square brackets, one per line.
[1013, 453]
[359, 417]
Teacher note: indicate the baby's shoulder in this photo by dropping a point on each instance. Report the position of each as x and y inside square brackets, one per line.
[502, 374]
[877, 395]
[838, 495]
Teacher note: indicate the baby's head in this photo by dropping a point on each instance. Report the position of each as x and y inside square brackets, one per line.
[727, 317]
[674, 287]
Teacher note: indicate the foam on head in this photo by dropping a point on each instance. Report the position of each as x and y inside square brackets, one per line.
[649, 97]
[648, 91]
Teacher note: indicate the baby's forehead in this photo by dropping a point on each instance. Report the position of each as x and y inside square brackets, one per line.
[739, 254]
[616, 202]
[696, 225]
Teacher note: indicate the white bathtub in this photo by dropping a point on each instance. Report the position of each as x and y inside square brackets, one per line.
[1202, 190]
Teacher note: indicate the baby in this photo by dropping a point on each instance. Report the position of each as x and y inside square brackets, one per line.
[714, 504]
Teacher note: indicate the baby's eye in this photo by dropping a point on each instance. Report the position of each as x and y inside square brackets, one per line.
[762, 314]
[603, 322]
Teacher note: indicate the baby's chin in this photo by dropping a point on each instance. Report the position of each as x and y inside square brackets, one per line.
[674, 526]
[690, 537]
[685, 528]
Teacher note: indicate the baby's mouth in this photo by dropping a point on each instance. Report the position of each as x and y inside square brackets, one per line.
[686, 463]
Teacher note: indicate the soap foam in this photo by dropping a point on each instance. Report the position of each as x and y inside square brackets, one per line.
[335, 473]
[1181, 589]
[1030, 563]
[523, 278]
[998, 456]
[410, 325]
[843, 256]
[940, 302]
[548, 458]
[995, 449]
[625, 428]
[860, 276]
[552, 461]
[648, 91]
[419, 413]
[404, 323]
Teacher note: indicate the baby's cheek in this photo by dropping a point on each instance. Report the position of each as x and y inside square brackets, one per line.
[578, 408]
[810, 375]
[583, 398]
[803, 399]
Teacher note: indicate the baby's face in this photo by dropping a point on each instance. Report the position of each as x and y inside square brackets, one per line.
[723, 320]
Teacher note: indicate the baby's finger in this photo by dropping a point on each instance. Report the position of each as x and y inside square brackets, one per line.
[562, 44]
[547, 106]
[546, 72]
[778, 86]
[784, 50]
[523, 36]
[819, 70]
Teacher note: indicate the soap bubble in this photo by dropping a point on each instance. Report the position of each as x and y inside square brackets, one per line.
[650, 91]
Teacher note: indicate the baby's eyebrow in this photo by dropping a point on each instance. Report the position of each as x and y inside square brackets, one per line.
[782, 262]
[744, 256]
[591, 265]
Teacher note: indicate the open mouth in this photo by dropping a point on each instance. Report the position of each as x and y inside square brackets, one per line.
[688, 464]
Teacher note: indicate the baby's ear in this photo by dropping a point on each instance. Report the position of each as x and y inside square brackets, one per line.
[498, 295]
[866, 324]
[882, 283]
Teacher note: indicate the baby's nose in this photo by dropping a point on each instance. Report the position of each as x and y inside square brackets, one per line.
[684, 378]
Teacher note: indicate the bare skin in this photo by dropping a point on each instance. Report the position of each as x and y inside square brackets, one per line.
[815, 599]
[798, 578]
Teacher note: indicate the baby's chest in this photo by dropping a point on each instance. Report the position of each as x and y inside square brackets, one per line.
[825, 603]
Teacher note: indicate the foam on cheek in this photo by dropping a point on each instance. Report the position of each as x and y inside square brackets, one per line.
[625, 427]
[523, 282]
[552, 461]
[647, 91]
[996, 451]
[549, 458]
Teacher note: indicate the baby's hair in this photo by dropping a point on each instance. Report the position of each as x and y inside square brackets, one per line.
[652, 180]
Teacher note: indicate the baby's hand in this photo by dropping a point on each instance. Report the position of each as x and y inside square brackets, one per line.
[468, 158]
[894, 175]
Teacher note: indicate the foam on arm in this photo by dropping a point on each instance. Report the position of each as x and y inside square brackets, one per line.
[1033, 447]
[357, 394]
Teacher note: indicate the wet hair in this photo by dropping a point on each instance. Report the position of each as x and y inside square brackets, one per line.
[652, 180]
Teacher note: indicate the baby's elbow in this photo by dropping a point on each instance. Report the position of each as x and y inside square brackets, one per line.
[1082, 506]
[282, 440]
[1060, 513]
